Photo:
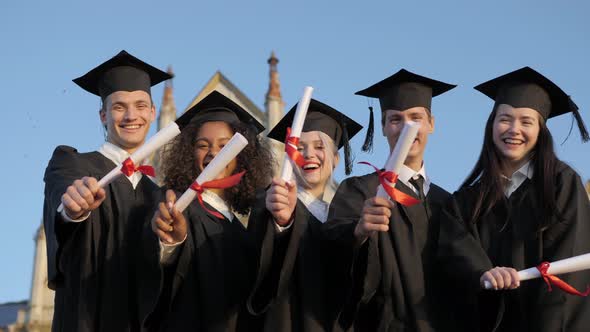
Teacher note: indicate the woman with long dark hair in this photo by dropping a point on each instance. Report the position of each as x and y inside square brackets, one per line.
[520, 206]
[205, 258]
[298, 283]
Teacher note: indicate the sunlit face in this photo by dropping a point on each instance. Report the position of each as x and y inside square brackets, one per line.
[394, 123]
[127, 117]
[211, 138]
[317, 170]
[515, 133]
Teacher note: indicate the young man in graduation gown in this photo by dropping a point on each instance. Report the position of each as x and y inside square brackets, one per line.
[299, 286]
[92, 237]
[393, 274]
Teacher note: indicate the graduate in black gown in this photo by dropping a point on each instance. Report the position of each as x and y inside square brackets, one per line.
[298, 287]
[519, 207]
[202, 264]
[91, 242]
[393, 284]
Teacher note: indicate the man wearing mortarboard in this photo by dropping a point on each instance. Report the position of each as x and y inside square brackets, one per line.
[394, 245]
[92, 240]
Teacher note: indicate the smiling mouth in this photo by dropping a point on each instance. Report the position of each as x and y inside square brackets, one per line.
[512, 142]
[131, 126]
[310, 167]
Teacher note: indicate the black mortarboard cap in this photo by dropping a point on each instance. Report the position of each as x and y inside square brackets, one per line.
[123, 72]
[217, 107]
[324, 118]
[526, 87]
[401, 91]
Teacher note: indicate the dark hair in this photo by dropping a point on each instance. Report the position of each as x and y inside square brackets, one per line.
[180, 169]
[487, 172]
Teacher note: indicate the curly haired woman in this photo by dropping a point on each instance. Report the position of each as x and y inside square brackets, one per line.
[206, 257]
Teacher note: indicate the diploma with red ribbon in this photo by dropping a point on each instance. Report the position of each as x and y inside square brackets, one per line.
[387, 180]
[130, 166]
[293, 134]
[394, 165]
[547, 271]
[206, 179]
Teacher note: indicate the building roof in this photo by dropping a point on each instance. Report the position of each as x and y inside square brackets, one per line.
[9, 312]
[220, 83]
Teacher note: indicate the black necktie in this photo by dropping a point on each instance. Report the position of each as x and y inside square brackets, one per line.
[419, 184]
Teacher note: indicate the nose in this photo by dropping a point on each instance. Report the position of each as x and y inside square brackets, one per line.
[306, 152]
[514, 127]
[131, 113]
[213, 151]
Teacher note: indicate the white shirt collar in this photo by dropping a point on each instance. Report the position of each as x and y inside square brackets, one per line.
[118, 155]
[317, 207]
[407, 173]
[513, 182]
[218, 204]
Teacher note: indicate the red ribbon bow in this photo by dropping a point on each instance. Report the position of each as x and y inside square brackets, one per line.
[291, 143]
[386, 178]
[227, 182]
[129, 168]
[554, 280]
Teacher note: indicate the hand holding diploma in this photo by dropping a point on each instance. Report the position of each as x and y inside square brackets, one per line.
[547, 271]
[83, 196]
[281, 199]
[168, 223]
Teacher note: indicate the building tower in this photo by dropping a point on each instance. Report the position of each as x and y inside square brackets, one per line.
[275, 107]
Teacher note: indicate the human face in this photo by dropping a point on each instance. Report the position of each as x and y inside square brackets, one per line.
[127, 117]
[317, 168]
[515, 134]
[394, 123]
[211, 138]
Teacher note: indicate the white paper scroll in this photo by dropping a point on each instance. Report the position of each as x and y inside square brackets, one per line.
[296, 127]
[572, 264]
[231, 149]
[400, 152]
[160, 138]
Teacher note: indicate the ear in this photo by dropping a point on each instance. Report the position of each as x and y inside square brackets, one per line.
[103, 116]
[431, 124]
[336, 160]
[153, 113]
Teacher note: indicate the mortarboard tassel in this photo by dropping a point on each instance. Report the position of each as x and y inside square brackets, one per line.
[347, 152]
[368, 145]
[579, 120]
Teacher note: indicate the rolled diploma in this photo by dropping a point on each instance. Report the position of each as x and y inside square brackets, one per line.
[236, 144]
[400, 152]
[296, 127]
[572, 264]
[160, 138]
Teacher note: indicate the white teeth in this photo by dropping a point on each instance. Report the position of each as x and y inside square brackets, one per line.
[132, 127]
[512, 141]
[310, 166]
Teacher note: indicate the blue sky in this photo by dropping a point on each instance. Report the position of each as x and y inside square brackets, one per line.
[335, 47]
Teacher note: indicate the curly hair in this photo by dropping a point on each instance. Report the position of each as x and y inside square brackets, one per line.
[180, 169]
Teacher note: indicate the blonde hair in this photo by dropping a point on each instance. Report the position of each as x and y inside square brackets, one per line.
[330, 161]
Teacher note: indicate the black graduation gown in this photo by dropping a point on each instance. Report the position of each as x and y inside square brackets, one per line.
[507, 236]
[298, 287]
[207, 287]
[91, 264]
[394, 274]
